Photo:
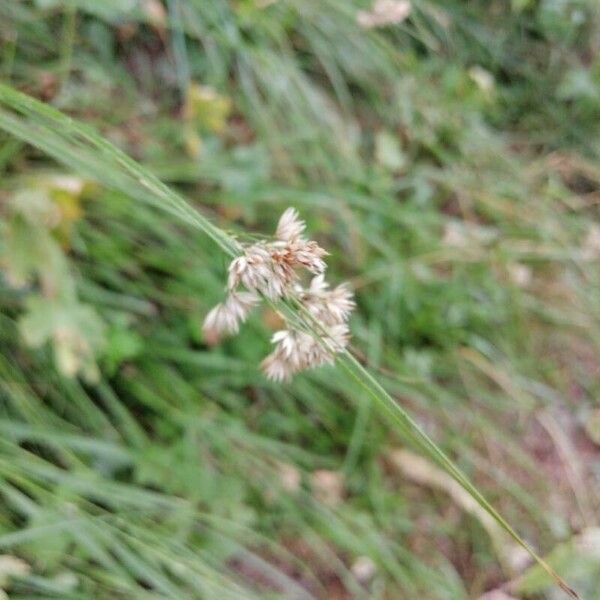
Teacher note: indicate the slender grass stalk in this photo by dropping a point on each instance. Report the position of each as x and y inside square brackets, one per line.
[81, 148]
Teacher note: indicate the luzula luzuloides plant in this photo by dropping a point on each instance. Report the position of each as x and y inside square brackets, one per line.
[273, 269]
[84, 150]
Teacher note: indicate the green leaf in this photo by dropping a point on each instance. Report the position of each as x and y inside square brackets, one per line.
[122, 344]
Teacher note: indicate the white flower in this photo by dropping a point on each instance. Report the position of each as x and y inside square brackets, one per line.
[225, 318]
[328, 306]
[241, 303]
[252, 268]
[276, 287]
[340, 303]
[290, 355]
[298, 350]
[336, 337]
[290, 226]
[271, 268]
[282, 274]
[318, 285]
[276, 367]
[294, 346]
[307, 254]
[287, 342]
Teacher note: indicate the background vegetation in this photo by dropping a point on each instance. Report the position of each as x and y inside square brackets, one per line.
[450, 163]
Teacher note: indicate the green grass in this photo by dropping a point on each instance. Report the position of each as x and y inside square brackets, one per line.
[460, 213]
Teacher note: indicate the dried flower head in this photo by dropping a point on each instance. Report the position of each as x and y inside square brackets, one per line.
[276, 368]
[290, 227]
[272, 269]
[308, 255]
[328, 306]
[298, 350]
[252, 269]
[225, 318]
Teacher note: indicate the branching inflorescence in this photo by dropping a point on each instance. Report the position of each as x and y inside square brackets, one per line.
[273, 270]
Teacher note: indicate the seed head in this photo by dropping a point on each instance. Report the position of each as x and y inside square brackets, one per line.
[328, 306]
[271, 269]
[290, 226]
[225, 318]
[252, 269]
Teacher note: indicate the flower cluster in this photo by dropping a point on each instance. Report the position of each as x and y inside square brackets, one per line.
[273, 269]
